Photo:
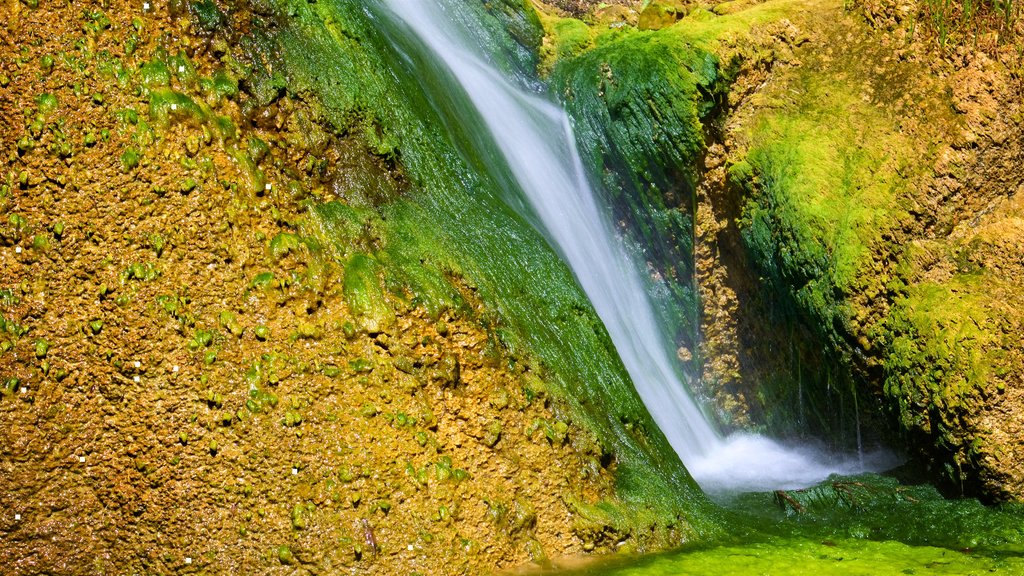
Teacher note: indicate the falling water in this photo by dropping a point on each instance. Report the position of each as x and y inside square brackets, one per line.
[537, 142]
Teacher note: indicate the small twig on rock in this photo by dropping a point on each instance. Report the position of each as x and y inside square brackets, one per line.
[782, 498]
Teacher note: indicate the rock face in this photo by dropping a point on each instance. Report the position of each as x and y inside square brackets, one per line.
[661, 14]
[886, 237]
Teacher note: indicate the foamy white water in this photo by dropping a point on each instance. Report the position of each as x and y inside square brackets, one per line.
[537, 140]
[751, 463]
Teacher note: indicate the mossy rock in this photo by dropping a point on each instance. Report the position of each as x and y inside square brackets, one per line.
[660, 14]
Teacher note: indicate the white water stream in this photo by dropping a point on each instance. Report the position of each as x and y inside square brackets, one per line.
[537, 140]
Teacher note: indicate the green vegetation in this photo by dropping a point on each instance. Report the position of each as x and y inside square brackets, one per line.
[947, 353]
[866, 524]
[967, 21]
[793, 556]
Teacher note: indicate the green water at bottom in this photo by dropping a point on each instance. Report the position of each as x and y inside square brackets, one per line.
[861, 525]
[792, 556]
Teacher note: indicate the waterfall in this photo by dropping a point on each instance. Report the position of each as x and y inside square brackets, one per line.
[535, 139]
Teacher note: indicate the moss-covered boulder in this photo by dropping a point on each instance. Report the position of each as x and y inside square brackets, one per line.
[840, 167]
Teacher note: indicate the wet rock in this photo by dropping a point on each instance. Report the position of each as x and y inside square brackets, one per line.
[660, 14]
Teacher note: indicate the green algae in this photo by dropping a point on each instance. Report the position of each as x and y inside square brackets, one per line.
[827, 193]
[166, 105]
[365, 295]
[805, 556]
[154, 74]
[946, 346]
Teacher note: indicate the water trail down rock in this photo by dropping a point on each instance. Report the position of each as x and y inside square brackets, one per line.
[536, 140]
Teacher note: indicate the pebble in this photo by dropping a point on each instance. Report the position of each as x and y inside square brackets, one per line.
[81, 459]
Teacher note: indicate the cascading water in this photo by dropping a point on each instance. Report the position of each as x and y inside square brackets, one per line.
[536, 140]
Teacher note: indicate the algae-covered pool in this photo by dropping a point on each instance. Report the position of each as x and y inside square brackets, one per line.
[785, 556]
[860, 525]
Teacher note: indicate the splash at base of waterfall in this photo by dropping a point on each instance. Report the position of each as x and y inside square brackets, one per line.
[750, 463]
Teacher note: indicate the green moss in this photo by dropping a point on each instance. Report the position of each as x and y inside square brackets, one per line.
[225, 128]
[130, 159]
[364, 294]
[224, 84]
[166, 105]
[945, 342]
[263, 280]
[47, 104]
[182, 69]
[154, 74]
[253, 179]
[206, 16]
[258, 149]
[570, 37]
[138, 271]
[201, 339]
[831, 183]
[156, 241]
[866, 524]
[284, 243]
[40, 243]
[796, 556]
[825, 182]
[18, 222]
